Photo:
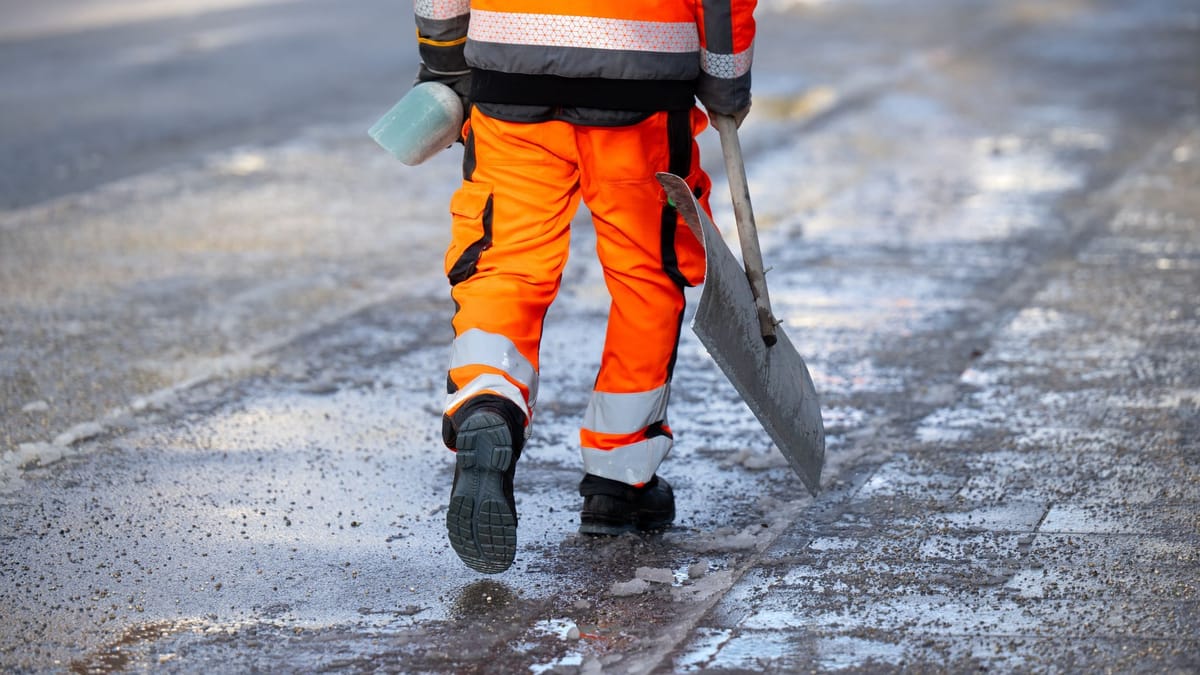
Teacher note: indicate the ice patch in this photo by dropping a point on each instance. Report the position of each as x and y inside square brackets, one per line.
[1088, 519]
[726, 539]
[159, 400]
[848, 652]
[29, 454]
[704, 588]
[78, 433]
[755, 460]
[657, 575]
[1008, 517]
[35, 407]
[623, 589]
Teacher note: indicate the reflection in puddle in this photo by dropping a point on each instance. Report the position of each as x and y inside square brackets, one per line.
[117, 655]
[482, 598]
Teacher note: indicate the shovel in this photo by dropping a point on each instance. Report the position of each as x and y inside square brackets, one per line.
[735, 324]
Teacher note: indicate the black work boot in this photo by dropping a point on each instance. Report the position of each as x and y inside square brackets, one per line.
[482, 518]
[611, 507]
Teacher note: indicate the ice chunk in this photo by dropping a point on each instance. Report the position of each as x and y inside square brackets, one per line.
[77, 433]
[658, 575]
[631, 587]
[35, 406]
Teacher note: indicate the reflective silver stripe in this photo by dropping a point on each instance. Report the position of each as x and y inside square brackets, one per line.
[626, 413]
[492, 383]
[631, 464]
[441, 9]
[727, 66]
[590, 32]
[479, 347]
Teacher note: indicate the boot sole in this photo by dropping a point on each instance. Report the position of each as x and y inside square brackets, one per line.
[481, 524]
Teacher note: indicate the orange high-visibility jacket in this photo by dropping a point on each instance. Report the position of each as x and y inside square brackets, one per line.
[640, 55]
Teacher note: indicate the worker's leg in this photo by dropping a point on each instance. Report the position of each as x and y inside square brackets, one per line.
[510, 240]
[509, 245]
[649, 256]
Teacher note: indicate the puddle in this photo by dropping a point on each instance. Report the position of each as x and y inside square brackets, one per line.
[121, 654]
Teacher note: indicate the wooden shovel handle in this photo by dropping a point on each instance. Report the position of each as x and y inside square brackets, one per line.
[743, 213]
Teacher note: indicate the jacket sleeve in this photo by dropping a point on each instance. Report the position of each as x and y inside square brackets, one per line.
[442, 35]
[726, 53]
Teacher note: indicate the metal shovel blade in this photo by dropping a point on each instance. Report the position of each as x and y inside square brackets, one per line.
[774, 381]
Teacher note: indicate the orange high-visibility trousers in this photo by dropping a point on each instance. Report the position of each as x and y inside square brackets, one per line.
[510, 238]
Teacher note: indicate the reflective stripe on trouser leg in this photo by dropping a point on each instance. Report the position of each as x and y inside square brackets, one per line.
[509, 244]
[615, 434]
[481, 348]
[624, 414]
[473, 357]
[648, 258]
[488, 384]
[631, 464]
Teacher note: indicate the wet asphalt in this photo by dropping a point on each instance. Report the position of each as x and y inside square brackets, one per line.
[223, 378]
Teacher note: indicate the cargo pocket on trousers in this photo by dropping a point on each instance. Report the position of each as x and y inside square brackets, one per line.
[471, 230]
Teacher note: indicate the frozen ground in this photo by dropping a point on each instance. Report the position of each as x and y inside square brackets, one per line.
[222, 382]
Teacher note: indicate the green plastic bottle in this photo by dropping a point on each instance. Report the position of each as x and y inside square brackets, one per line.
[426, 121]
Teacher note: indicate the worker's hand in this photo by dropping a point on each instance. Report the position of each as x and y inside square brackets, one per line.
[737, 116]
[459, 82]
[740, 115]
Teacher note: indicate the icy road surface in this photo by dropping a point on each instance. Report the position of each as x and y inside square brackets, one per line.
[222, 374]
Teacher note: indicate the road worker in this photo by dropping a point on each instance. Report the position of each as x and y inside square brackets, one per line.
[568, 100]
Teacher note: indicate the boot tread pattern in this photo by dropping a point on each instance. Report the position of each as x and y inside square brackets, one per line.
[481, 525]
